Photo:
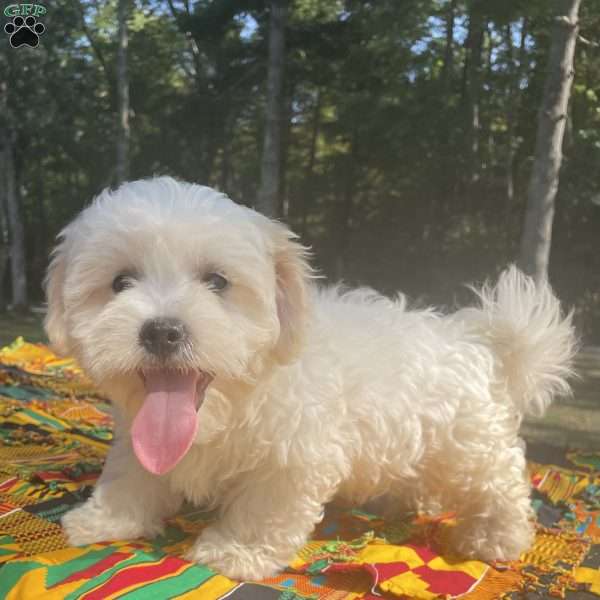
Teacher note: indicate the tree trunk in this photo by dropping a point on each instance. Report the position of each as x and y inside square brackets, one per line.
[516, 66]
[226, 158]
[15, 224]
[543, 185]
[4, 253]
[6, 119]
[473, 86]
[344, 213]
[267, 201]
[448, 68]
[40, 242]
[286, 140]
[3, 265]
[11, 201]
[307, 201]
[122, 167]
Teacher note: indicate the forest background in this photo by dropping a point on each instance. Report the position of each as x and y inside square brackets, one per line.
[413, 144]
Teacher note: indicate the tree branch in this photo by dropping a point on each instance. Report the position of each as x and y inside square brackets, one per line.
[587, 42]
[174, 11]
[93, 45]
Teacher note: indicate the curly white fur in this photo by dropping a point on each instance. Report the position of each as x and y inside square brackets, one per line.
[317, 392]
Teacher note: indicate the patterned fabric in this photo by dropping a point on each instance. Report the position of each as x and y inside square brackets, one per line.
[407, 570]
[54, 434]
[558, 485]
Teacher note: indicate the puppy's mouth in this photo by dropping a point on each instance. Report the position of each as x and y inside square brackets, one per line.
[165, 426]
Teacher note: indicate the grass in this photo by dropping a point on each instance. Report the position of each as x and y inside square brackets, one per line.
[571, 422]
[29, 326]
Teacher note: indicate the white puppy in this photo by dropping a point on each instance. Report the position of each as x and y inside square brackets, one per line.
[238, 384]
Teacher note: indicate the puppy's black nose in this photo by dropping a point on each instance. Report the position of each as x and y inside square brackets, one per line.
[163, 336]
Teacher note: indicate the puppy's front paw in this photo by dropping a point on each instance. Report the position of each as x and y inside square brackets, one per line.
[232, 559]
[88, 524]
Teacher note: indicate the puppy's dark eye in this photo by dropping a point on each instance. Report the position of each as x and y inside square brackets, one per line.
[122, 282]
[215, 281]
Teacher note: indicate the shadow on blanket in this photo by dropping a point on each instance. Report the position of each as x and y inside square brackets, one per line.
[55, 431]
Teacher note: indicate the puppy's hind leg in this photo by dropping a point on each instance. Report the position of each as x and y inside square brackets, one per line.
[495, 518]
[128, 502]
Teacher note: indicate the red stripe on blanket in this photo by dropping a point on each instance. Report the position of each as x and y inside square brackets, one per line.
[94, 570]
[424, 553]
[135, 575]
[445, 583]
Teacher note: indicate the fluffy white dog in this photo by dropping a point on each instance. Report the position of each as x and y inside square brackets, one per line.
[239, 384]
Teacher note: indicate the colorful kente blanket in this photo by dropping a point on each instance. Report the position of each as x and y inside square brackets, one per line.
[54, 434]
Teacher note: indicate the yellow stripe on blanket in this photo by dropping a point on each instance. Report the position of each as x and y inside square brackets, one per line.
[588, 576]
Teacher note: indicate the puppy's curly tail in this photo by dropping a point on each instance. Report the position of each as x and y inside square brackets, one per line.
[535, 342]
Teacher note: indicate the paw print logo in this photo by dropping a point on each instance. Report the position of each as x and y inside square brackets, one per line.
[24, 31]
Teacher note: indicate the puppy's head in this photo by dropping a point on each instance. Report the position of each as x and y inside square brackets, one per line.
[162, 289]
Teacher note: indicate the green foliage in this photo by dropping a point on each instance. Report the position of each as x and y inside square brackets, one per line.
[378, 148]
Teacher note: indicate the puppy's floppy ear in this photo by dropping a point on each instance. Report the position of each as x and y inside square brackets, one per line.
[54, 323]
[292, 296]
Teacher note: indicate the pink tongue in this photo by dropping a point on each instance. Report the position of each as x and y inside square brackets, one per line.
[166, 425]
